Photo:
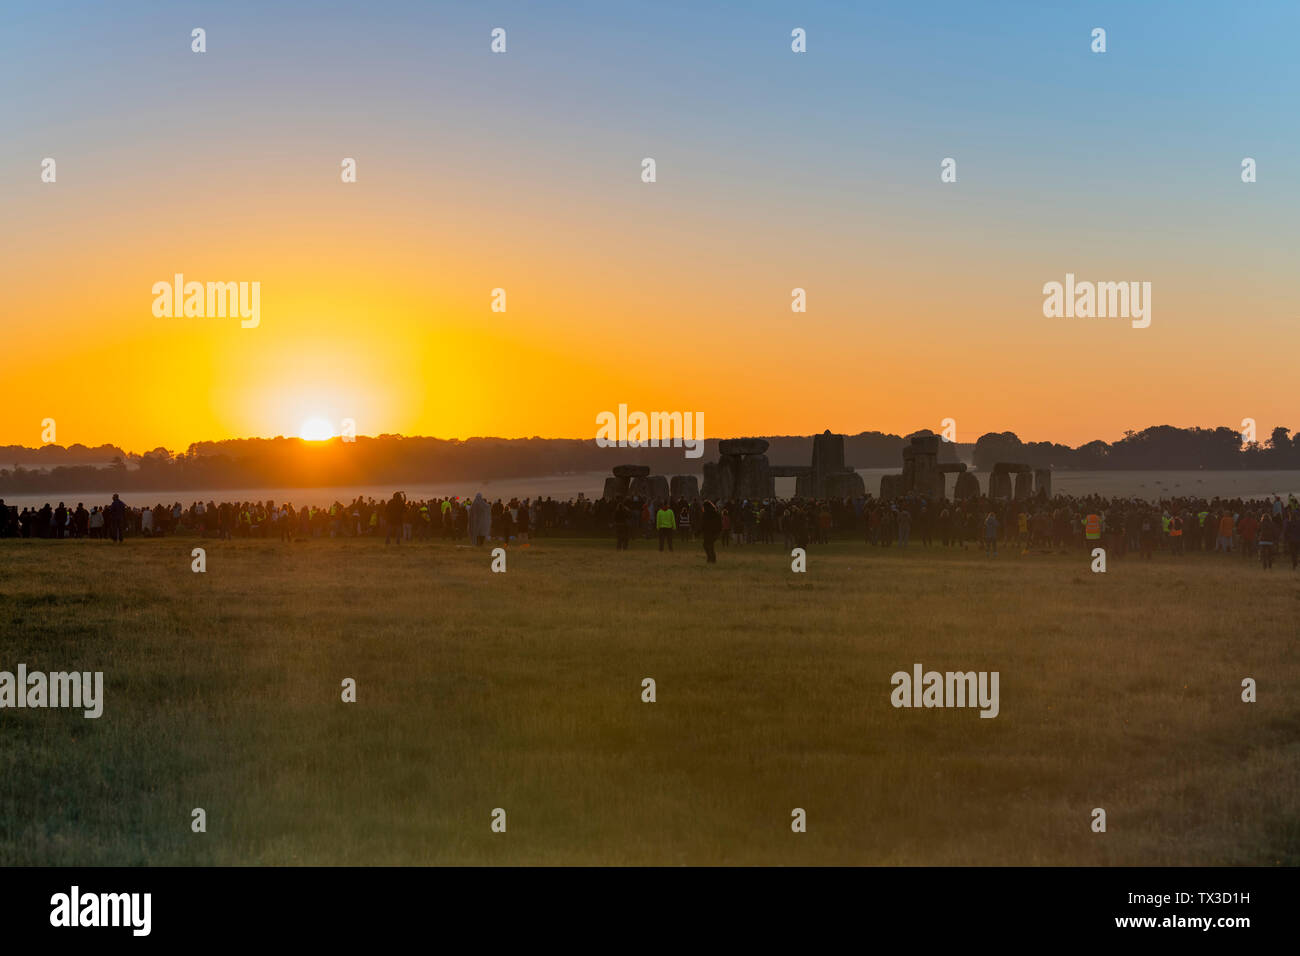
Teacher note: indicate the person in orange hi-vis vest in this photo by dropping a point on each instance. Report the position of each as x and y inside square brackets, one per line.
[1092, 531]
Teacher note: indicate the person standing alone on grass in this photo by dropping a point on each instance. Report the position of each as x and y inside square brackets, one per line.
[991, 536]
[666, 523]
[1291, 533]
[710, 528]
[622, 524]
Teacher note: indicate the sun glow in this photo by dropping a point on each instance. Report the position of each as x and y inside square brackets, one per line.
[316, 429]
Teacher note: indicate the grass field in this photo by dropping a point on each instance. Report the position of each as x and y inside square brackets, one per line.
[523, 691]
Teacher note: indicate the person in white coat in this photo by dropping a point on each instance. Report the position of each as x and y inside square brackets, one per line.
[480, 520]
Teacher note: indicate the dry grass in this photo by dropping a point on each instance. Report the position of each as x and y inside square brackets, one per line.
[523, 691]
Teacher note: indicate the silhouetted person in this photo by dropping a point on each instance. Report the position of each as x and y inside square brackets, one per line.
[710, 528]
[116, 518]
[393, 513]
[623, 518]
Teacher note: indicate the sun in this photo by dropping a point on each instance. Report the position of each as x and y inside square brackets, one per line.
[316, 429]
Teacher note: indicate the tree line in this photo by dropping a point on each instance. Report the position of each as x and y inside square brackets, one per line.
[1159, 447]
[397, 460]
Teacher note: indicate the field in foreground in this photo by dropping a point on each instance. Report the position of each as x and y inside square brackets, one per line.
[523, 691]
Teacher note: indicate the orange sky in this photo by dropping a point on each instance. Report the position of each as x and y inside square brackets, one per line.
[924, 300]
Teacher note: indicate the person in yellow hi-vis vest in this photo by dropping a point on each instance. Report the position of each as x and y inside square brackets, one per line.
[666, 522]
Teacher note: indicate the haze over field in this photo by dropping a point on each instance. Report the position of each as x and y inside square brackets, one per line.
[1149, 485]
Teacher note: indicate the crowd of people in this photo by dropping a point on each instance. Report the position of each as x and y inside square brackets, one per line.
[1257, 528]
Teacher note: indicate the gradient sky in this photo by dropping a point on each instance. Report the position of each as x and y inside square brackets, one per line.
[522, 171]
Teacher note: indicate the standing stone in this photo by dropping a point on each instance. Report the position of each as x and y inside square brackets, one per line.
[742, 446]
[999, 484]
[1024, 486]
[828, 452]
[728, 475]
[847, 484]
[827, 459]
[967, 486]
[615, 487]
[631, 471]
[755, 481]
[890, 487]
[684, 486]
[1043, 482]
[921, 469]
[815, 480]
[639, 487]
[946, 468]
[719, 478]
[926, 479]
[658, 486]
[712, 485]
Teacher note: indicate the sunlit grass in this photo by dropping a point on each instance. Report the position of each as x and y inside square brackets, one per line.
[523, 691]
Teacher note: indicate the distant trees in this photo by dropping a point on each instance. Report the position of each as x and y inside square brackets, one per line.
[48, 456]
[1154, 448]
[396, 461]
[1007, 446]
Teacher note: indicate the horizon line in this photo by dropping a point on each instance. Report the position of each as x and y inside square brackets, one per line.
[398, 435]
